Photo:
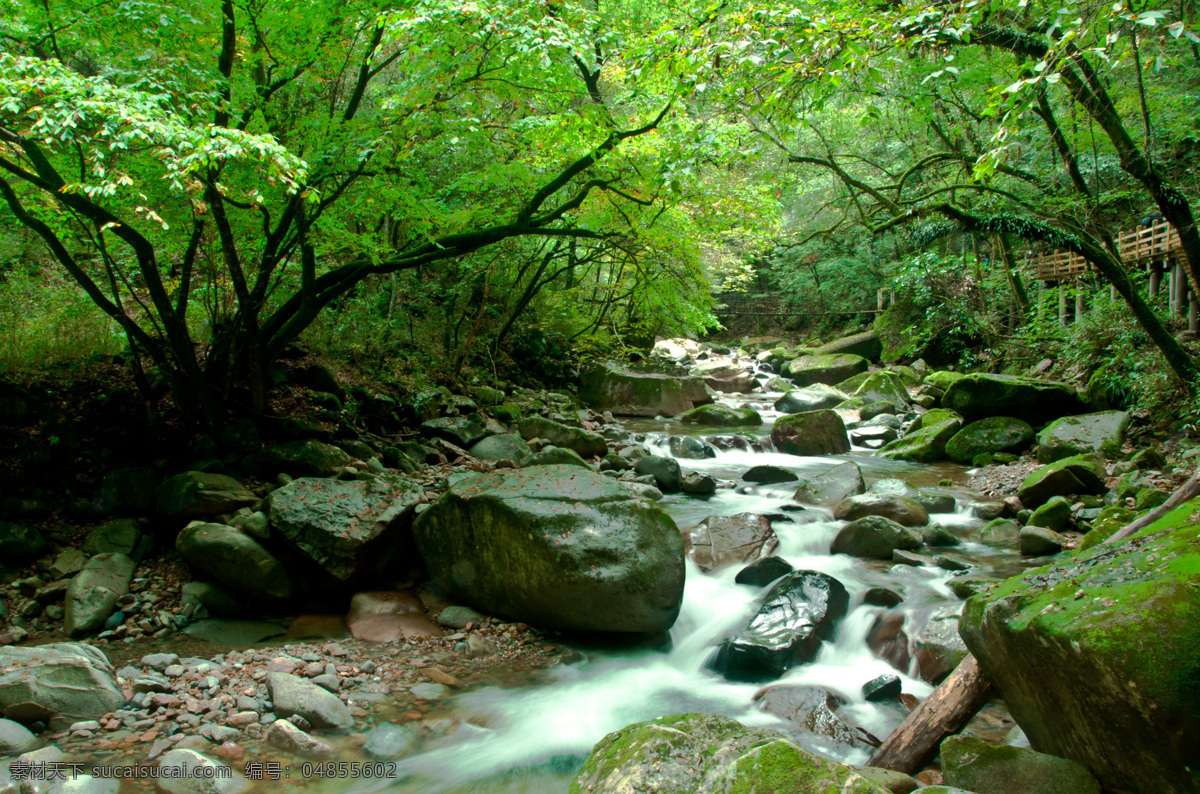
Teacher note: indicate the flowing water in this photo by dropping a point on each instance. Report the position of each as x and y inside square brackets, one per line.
[537, 736]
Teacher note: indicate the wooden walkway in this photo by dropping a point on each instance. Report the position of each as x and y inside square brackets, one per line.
[1142, 245]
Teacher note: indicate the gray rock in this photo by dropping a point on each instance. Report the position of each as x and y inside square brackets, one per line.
[643, 490]
[291, 694]
[309, 458]
[193, 773]
[15, 738]
[1039, 541]
[937, 535]
[159, 661]
[769, 474]
[584, 442]
[696, 484]
[812, 710]
[557, 456]
[690, 448]
[1102, 433]
[873, 537]
[286, 736]
[389, 741]
[58, 683]
[810, 398]
[626, 393]
[666, 472]
[462, 431]
[122, 536]
[457, 617]
[94, 592]
[506, 446]
[218, 602]
[429, 691]
[235, 560]
[198, 494]
[832, 486]
[903, 511]
[255, 525]
[85, 784]
[720, 541]
[939, 648]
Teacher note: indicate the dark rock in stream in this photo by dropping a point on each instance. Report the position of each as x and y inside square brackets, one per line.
[874, 537]
[903, 511]
[720, 541]
[769, 474]
[812, 710]
[832, 485]
[665, 471]
[764, 571]
[939, 648]
[885, 687]
[810, 433]
[786, 630]
[695, 483]
[690, 448]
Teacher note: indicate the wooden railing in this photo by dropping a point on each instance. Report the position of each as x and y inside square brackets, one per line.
[1143, 244]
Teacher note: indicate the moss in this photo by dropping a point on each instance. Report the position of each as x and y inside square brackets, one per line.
[721, 416]
[942, 379]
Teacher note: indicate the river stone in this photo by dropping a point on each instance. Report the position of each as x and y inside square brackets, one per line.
[937, 535]
[557, 456]
[884, 687]
[810, 433]
[1079, 474]
[608, 387]
[348, 529]
[689, 448]
[810, 709]
[310, 458]
[973, 764]
[585, 442]
[695, 483]
[866, 344]
[978, 396]
[94, 592]
[15, 738]
[122, 536]
[665, 472]
[199, 494]
[1107, 679]
[893, 781]
[291, 694]
[642, 489]
[722, 375]
[556, 547]
[903, 511]
[390, 741]
[388, 616]
[1039, 541]
[234, 559]
[701, 753]
[873, 436]
[994, 434]
[130, 490]
[234, 632]
[193, 773]
[874, 410]
[286, 736]
[60, 683]
[762, 572]
[828, 369]
[810, 398]
[1102, 433]
[832, 485]
[873, 537]
[506, 446]
[894, 487]
[721, 416]
[786, 629]
[1055, 515]
[720, 541]
[462, 431]
[925, 441]
[938, 646]
[883, 386]
[769, 474]
[1000, 532]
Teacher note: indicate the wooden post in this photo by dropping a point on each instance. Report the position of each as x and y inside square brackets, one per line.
[1080, 306]
[879, 299]
[1062, 303]
[1170, 288]
[1155, 278]
[1112, 293]
[1193, 312]
[915, 742]
[1181, 289]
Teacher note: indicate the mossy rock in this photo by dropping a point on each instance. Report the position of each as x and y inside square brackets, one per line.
[1102, 433]
[811, 433]
[979, 396]
[943, 379]
[507, 413]
[1079, 474]
[991, 435]
[883, 386]
[626, 393]
[1150, 498]
[830, 369]
[1055, 515]
[585, 442]
[1106, 524]
[927, 443]
[865, 344]
[900, 330]
[721, 416]
[973, 764]
[1096, 655]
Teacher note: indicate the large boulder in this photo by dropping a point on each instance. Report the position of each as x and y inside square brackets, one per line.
[832, 485]
[388, 616]
[1079, 474]
[556, 547]
[972, 764]
[665, 471]
[1096, 655]
[462, 431]
[937, 646]
[20, 540]
[722, 375]
[883, 386]
[678, 350]
[235, 560]
[994, 434]
[828, 369]
[1102, 433]
[94, 591]
[199, 494]
[348, 529]
[810, 398]
[122, 535]
[904, 511]
[309, 458]
[625, 393]
[576, 439]
[720, 541]
[704, 753]
[506, 446]
[721, 416]
[59, 684]
[925, 441]
[874, 537]
[865, 344]
[1035, 401]
[786, 629]
[811, 433]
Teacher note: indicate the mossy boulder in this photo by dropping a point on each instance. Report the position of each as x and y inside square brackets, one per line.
[994, 434]
[199, 494]
[883, 386]
[1110, 520]
[926, 440]
[585, 442]
[811, 433]
[1096, 655]
[828, 369]
[1102, 433]
[906, 512]
[708, 753]
[308, 458]
[556, 547]
[901, 332]
[1055, 514]
[943, 379]
[810, 398]
[873, 537]
[237, 561]
[462, 431]
[1035, 401]
[866, 344]
[507, 413]
[973, 764]
[506, 446]
[626, 393]
[832, 485]
[721, 416]
[1079, 474]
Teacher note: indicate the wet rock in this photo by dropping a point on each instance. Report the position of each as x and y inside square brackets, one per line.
[832, 485]
[893, 487]
[598, 558]
[894, 782]
[882, 597]
[810, 709]
[810, 398]
[58, 683]
[388, 616]
[310, 458]
[724, 376]
[903, 511]
[286, 736]
[1039, 541]
[721, 416]
[584, 442]
[93, 593]
[15, 738]
[828, 369]
[811, 433]
[970, 763]
[1079, 474]
[198, 494]
[1102, 433]
[987, 510]
[902, 557]
[873, 410]
[884, 687]
[925, 441]
[347, 529]
[462, 431]
[218, 601]
[690, 448]
[769, 474]
[1000, 532]
[457, 617]
[193, 773]
[936, 502]
[1035, 401]
[68, 563]
[506, 446]
[939, 648]
[557, 456]
[607, 387]
[235, 560]
[388, 741]
[966, 586]
[762, 572]
[122, 536]
[994, 434]
[291, 694]
[873, 436]
[643, 490]
[873, 537]
[787, 628]
[1055, 515]
[665, 472]
[696, 484]
[720, 541]
[937, 535]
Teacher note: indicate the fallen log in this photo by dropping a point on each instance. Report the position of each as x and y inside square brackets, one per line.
[915, 742]
[1188, 490]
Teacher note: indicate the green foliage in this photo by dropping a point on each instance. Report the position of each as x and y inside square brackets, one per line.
[43, 319]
